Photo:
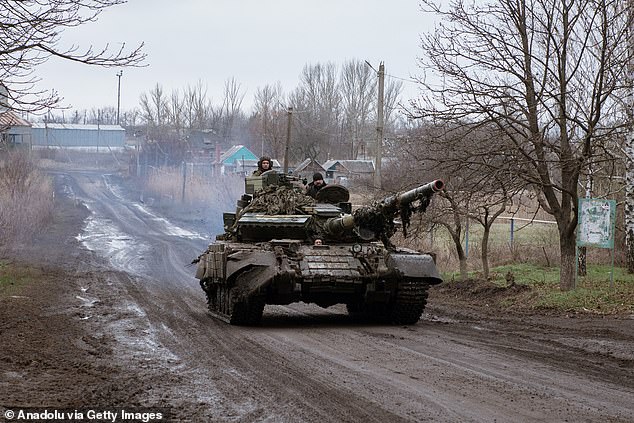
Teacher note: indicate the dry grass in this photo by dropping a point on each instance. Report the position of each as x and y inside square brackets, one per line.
[26, 198]
[166, 184]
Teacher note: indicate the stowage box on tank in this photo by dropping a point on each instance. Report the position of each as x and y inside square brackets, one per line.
[282, 246]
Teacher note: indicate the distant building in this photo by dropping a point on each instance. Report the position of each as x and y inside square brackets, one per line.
[235, 160]
[78, 137]
[335, 170]
[340, 171]
[359, 168]
[307, 168]
[14, 131]
[203, 140]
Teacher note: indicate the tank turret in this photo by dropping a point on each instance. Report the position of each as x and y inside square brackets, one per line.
[282, 246]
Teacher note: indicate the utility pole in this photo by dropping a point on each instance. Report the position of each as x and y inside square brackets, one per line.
[379, 129]
[288, 138]
[119, 74]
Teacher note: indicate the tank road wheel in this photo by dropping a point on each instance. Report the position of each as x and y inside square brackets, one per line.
[410, 301]
[223, 306]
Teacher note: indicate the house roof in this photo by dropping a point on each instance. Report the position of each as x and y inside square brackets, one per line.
[229, 156]
[359, 166]
[309, 164]
[8, 119]
[335, 166]
[74, 126]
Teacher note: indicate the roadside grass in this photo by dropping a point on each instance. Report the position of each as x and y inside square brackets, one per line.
[13, 278]
[26, 198]
[540, 289]
[166, 185]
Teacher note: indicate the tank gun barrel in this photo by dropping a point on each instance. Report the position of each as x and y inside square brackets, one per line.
[382, 213]
[394, 202]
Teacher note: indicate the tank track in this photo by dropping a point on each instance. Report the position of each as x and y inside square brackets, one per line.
[405, 309]
[410, 302]
[222, 306]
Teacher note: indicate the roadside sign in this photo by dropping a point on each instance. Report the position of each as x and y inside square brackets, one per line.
[596, 223]
[595, 227]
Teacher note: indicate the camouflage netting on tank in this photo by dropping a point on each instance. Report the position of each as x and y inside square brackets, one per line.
[379, 216]
[280, 200]
[373, 218]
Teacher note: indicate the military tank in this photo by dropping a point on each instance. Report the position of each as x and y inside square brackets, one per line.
[281, 246]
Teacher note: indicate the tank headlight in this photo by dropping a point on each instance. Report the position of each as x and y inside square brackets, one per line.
[356, 248]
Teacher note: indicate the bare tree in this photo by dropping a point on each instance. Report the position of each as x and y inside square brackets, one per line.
[485, 206]
[154, 111]
[196, 107]
[31, 33]
[546, 74]
[231, 109]
[358, 97]
[270, 118]
[391, 95]
[317, 102]
[175, 107]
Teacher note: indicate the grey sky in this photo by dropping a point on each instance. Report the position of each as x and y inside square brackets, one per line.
[258, 42]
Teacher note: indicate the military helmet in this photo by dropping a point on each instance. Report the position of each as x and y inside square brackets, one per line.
[265, 159]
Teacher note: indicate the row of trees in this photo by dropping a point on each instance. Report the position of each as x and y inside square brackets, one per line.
[333, 113]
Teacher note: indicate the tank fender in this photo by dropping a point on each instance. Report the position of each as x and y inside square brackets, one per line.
[251, 280]
[418, 266]
[241, 260]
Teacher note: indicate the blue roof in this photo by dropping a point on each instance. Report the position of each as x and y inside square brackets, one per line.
[237, 152]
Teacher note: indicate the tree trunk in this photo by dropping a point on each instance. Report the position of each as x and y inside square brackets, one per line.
[629, 248]
[463, 268]
[629, 148]
[485, 252]
[582, 258]
[462, 258]
[568, 257]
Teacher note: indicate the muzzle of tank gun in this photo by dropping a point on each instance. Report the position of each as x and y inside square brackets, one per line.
[436, 185]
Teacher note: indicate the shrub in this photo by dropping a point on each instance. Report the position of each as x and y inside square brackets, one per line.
[26, 198]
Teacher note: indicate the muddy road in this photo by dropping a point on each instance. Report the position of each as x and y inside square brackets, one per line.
[127, 325]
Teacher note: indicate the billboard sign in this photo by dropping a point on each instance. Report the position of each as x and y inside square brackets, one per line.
[596, 223]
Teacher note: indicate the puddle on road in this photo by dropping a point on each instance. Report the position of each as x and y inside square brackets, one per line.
[166, 227]
[124, 252]
[169, 228]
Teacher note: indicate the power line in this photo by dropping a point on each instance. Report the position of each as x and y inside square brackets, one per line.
[414, 81]
[392, 76]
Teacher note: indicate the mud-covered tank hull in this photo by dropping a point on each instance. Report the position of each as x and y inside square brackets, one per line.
[240, 278]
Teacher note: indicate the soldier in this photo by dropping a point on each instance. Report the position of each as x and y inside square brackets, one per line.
[264, 164]
[317, 184]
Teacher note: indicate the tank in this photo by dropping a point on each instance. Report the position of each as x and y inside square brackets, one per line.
[281, 246]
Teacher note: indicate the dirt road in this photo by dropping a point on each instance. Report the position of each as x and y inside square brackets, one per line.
[117, 319]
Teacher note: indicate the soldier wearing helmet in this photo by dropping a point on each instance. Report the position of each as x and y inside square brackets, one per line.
[265, 163]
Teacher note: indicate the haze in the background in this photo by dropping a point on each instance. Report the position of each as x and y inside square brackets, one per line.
[257, 42]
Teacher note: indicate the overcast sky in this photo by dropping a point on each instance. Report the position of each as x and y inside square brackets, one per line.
[257, 42]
